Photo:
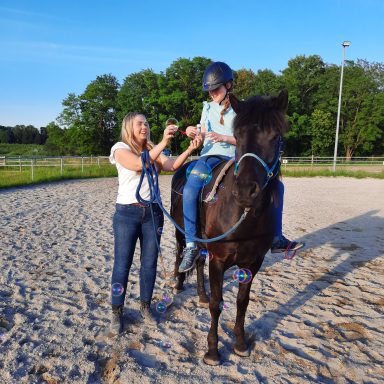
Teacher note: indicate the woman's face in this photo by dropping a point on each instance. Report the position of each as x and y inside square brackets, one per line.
[218, 94]
[140, 128]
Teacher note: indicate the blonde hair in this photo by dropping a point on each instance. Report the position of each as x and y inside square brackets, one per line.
[128, 138]
[127, 134]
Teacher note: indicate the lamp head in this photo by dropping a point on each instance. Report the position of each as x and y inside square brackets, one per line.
[346, 43]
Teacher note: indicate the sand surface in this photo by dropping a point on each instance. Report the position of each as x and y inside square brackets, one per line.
[318, 318]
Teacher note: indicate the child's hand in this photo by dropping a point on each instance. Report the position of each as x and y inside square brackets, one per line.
[215, 137]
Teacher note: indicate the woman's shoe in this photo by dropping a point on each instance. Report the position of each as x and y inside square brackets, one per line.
[116, 325]
[146, 313]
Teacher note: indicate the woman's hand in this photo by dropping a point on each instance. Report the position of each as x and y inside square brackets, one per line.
[169, 133]
[195, 143]
[215, 137]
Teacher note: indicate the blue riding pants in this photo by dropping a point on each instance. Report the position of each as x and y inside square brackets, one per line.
[132, 222]
[193, 187]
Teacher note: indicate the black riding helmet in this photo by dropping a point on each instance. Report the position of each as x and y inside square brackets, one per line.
[216, 74]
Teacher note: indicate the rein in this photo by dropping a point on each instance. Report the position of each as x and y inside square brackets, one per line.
[270, 171]
[150, 172]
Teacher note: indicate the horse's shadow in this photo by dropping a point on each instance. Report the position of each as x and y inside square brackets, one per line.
[367, 223]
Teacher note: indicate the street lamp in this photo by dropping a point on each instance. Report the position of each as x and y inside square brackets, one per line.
[344, 44]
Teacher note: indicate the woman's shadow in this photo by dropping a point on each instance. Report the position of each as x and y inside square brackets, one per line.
[343, 237]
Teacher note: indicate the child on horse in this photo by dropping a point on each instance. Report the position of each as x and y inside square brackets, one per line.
[217, 132]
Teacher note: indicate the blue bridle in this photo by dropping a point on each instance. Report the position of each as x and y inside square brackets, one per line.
[272, 171]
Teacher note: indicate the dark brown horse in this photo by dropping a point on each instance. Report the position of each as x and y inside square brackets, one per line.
[247, 186]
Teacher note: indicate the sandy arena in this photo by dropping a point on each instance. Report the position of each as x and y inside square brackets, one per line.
[318, 318]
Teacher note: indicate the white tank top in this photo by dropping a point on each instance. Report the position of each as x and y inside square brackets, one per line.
[128, 180]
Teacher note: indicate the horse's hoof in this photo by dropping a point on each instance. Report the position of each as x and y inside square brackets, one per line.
[211, 360]
[245, 353]
[203, 304]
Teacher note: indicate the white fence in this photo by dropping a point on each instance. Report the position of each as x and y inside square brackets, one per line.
[20, 163]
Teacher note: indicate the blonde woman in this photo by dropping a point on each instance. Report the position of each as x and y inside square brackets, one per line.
[133, 220]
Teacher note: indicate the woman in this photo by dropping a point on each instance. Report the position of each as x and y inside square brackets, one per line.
[132, 219]
[216, 130]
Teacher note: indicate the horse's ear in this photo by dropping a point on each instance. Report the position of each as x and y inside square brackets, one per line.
[235, 103]
[282, 100]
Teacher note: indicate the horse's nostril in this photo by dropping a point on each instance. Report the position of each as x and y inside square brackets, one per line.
[254, 190]
[235, 192]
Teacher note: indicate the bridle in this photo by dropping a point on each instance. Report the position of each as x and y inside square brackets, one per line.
[272, 171]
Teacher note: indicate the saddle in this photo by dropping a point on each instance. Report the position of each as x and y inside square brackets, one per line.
[180, 177]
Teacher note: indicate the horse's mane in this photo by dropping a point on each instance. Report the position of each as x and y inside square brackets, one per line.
[261, 111]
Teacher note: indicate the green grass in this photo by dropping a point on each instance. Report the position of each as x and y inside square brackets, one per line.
[296, 172]
[12, 177]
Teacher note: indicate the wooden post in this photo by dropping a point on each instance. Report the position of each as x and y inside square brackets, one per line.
[82, 164]
[61, 166]
[32, 169]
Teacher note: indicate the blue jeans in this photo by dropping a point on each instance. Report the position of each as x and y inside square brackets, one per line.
[191, 192]
[131, 222]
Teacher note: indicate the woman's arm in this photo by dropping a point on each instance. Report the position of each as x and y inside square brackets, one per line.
[170, 165]
[132, 161]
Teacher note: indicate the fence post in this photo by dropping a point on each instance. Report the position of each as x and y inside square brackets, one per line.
[82, 164]
[98, 161]
[61, 166]
[32, 169]
[20, 163]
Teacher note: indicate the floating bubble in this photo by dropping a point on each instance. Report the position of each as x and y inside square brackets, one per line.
[243, 275]
[167, 299]
[161, 307]
[223, 306]
[205, 254]
[117, 289]
[199, 174]
[160, 230]
[212, 200]
[163, 344]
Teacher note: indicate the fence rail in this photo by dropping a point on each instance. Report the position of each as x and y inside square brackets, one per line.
[22, 163]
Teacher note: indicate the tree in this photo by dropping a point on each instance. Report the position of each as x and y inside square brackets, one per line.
[99, 119]
[362, 112]
[323, 132]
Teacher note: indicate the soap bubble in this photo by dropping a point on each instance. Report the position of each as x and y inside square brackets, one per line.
[161, 307]
[242, 275]
[199, 174]
[117, 289]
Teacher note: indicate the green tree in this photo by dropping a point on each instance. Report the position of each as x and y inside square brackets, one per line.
[362, 111]
[323, 133]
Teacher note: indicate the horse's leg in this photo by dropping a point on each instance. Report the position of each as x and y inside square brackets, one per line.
[180, 277]
[241, 348]
[203, 298]
[216, 275]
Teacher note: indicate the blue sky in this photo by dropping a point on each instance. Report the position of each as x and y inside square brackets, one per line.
[51, 48]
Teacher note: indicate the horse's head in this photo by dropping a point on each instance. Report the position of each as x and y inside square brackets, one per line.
[258, 129]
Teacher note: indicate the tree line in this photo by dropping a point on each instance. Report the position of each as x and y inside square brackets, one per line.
[90, 122]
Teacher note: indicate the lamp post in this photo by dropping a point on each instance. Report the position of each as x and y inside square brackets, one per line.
[344, 44]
